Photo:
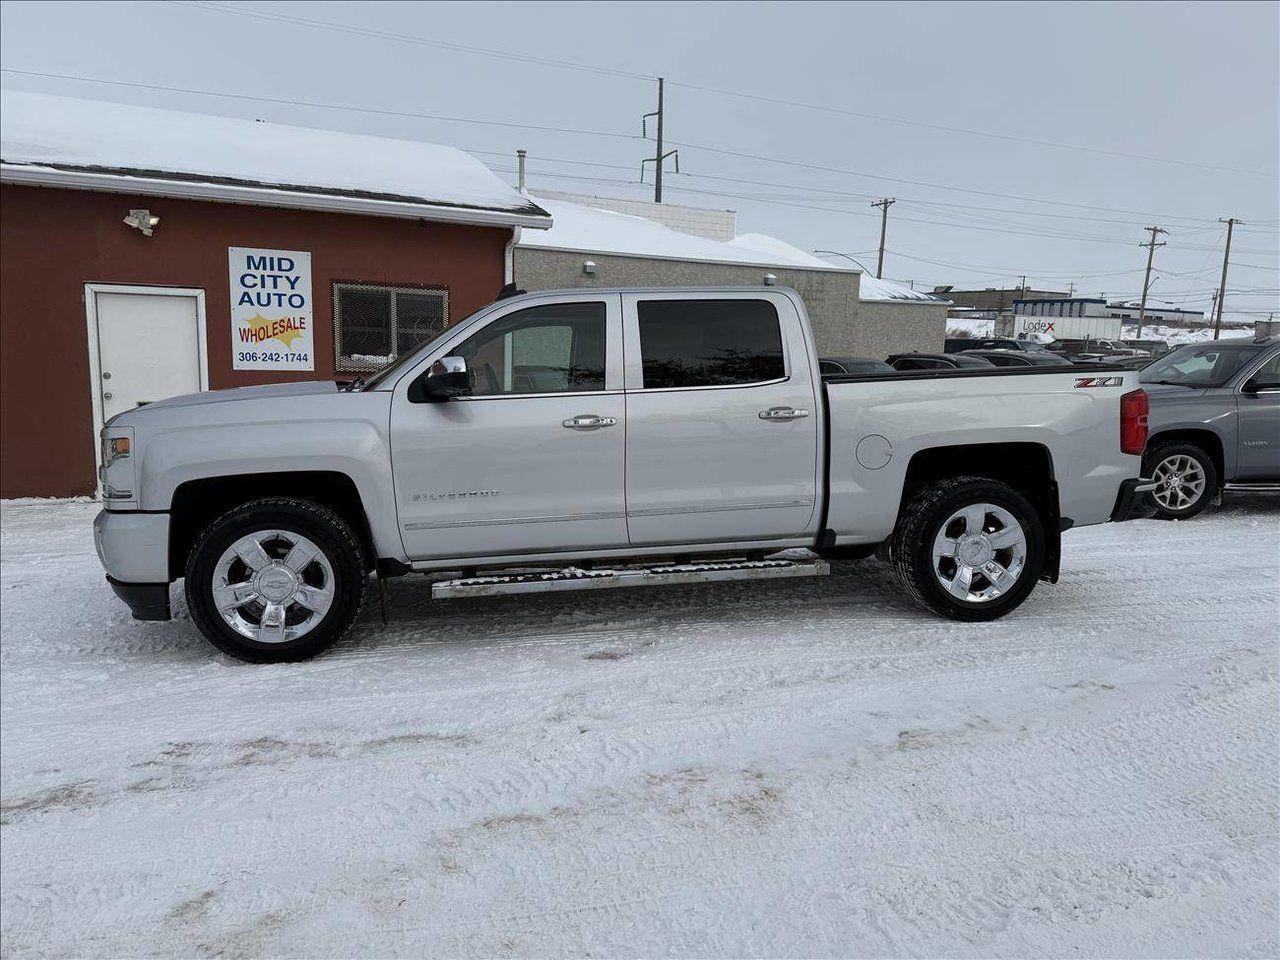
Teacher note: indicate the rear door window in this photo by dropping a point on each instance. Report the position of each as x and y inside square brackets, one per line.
[709, 343]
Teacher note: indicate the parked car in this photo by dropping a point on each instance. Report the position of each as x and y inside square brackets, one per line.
[1019, 358]
[1154, 347]
[1089, 350]
[962, 344]
[934, 361]
[1136, 362]
[1214, 422]
[619, 438]
[828, 365]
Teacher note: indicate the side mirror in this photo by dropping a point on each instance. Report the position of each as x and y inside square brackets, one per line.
[445, 379]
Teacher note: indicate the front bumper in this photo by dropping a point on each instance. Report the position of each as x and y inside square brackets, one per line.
[1133, 501]
[134, 550]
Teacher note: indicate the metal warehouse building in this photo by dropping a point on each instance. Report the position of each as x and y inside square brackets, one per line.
[146, 253]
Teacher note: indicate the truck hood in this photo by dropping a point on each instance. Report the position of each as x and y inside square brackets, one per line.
[265, 392]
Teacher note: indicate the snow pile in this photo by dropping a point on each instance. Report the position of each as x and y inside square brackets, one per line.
[787, 768]
[1177, 336]
[99, 136]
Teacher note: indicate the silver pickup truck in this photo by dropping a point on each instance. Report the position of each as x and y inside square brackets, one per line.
[596, 438]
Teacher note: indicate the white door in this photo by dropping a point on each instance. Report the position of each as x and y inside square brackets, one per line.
[145, 344]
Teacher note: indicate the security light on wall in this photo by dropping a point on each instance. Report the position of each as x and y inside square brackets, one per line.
[589, 268]
[143, 220]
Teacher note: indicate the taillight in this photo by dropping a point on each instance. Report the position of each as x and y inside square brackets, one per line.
[1134, 408]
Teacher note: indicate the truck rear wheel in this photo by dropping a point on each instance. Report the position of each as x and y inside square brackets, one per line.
[275, 580]
[968, 548]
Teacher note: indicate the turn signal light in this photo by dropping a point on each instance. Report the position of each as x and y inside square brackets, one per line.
[1135, 407]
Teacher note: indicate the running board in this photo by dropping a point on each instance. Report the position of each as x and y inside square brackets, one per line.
[576, 578]
[1261, 487]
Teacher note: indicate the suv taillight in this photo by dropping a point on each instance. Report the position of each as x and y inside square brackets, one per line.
[1134, 408]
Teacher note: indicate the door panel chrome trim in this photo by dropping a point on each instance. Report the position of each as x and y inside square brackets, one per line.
[501, 521]
[719, 508]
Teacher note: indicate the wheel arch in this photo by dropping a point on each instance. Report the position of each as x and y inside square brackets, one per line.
[1026, 466]
[1202, 437]
[196, 503]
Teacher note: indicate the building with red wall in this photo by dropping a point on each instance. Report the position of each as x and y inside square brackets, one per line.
[229, 223]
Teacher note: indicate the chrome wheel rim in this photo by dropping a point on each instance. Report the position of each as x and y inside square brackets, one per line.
[979, 553]
[1180, 482]
[273, 586]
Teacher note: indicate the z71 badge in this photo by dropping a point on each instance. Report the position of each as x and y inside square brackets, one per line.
[1099, 381]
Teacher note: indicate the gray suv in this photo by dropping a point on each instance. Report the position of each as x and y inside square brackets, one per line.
[1214, 422]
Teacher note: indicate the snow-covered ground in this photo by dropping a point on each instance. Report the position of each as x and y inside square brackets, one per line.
[800, 768]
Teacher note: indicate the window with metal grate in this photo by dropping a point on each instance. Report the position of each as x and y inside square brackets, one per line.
[373, 324]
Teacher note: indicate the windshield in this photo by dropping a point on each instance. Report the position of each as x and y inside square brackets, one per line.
[1200, 364]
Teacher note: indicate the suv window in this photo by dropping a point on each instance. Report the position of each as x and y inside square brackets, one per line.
[1267, 376]
[555, 348]
[709, 343]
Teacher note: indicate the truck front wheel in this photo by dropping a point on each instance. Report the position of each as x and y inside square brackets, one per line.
[968, 548]
[275, 580]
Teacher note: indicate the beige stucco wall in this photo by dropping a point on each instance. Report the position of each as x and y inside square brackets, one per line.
[883, 327]
[842, 325]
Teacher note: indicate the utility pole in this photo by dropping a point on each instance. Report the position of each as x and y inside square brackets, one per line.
[1222, 287]
[1146, 280]
[1071, 289]
[884, 206]
[658, 156]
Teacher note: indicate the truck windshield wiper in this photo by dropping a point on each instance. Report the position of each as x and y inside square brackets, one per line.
[1173, 383]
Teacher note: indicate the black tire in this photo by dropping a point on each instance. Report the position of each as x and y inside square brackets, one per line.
[325, 529]
[1159, 452]
[923, 518]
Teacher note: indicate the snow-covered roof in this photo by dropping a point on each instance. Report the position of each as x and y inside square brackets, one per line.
[873, 288]
[583, 229]
[97, 145]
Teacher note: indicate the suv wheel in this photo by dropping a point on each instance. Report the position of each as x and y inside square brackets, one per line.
[1185, 477]
[275, 580]
[968, 548]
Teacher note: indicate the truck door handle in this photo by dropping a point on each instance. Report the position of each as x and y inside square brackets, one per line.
[783, 413]
[588, 421]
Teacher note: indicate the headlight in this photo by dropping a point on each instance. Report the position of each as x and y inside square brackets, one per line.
[115, 448]
[118, 464]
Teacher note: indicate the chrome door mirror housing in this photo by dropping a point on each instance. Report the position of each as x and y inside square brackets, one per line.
[445, 379]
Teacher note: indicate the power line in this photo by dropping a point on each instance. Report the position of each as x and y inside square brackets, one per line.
[511, 124]
[719, 91]
[416, 40]
[881, 118]
[253, 98]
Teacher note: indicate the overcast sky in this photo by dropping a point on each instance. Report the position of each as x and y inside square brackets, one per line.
[1164, 114]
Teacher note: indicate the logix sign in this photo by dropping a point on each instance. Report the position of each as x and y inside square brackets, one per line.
[271, 310]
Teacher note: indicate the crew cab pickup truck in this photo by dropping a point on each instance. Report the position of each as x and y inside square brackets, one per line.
[594, 438]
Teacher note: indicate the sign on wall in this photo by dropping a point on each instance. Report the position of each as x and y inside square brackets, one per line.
[271, 309]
